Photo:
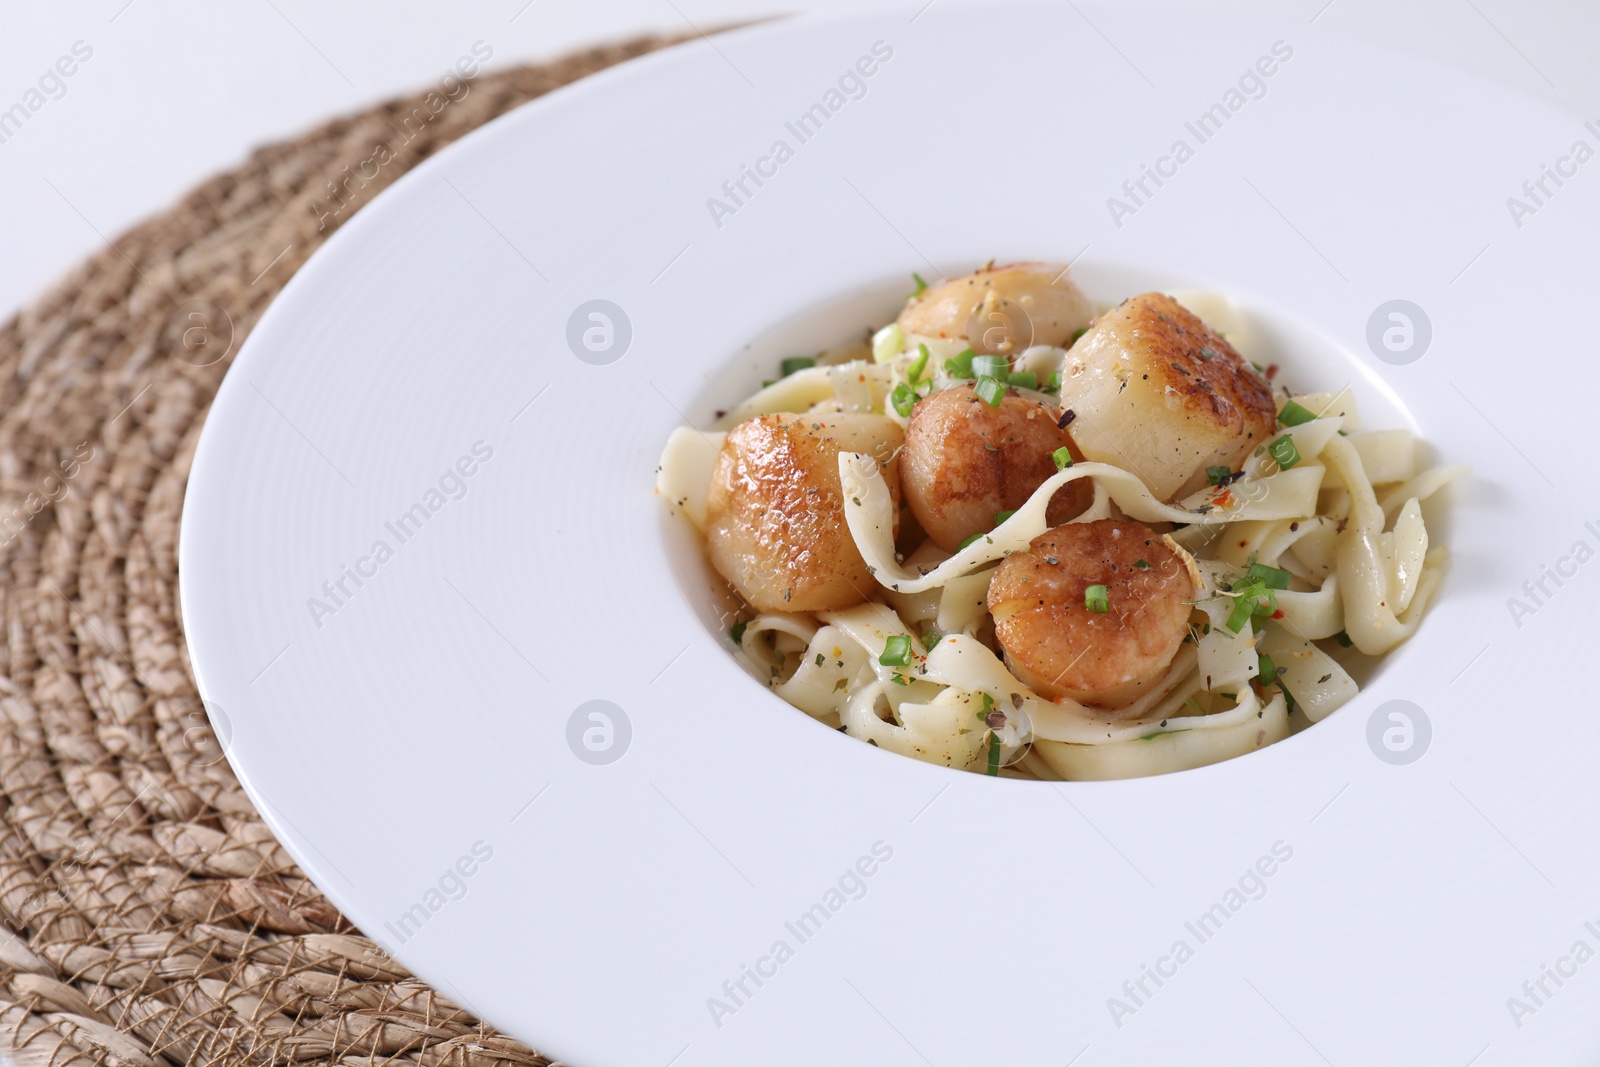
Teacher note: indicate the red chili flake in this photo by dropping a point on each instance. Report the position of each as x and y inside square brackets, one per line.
[1272, 371]
[1276, 614]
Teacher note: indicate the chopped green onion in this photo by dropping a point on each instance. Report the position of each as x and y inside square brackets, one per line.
[984, 707]
[1284, 452]
[918, 365]
[1152, 737]
[1080, 333]
[898, 679]
[991, 391]
[1023, 379]
[1244, 609]
[1343, 639]
[1252, 598]
[737, 632]
[1002, 516]
[968, 541]
[888, 343]
[1055, 382]
[1293, 414]
[896, 651]
[994, 755]
[1271, 577]
[1266, 670]
[1096, 599]
[929, 639]
[819, 659]
[1063, 457]
[1142, 565]
[795, 363]
[767, 382]
[990, 366]
[903, 399]
[1218, 475]
[922, 286]
[960, 364]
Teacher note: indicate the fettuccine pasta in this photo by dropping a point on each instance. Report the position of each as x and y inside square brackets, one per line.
[1017, 534]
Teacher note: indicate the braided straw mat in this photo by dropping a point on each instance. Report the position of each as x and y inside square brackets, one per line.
[147, 916]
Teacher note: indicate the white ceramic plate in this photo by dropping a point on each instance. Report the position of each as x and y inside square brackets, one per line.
[419, 725]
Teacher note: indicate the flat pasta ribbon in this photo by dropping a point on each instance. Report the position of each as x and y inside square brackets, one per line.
[869, 511]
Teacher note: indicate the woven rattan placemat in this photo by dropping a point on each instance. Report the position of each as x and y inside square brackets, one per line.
[149, 917]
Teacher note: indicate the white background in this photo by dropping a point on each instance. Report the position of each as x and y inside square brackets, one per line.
[179, 89]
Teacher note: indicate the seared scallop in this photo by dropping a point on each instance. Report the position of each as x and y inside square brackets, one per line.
[775, 525]
[1002, 311]
[966, 462]
[1161, 394]
[1046, 610]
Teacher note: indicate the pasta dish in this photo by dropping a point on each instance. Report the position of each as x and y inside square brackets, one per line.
[1019, 534]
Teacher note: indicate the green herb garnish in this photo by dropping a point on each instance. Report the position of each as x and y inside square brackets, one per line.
[1284, 452]
[991, 391]
[1293, 414]
[919, 364]
[984, 707]
[960, 364]
[795, 363]
[991, 366]
[1063, 457]
[1271, 577]
[1251, 598]
[1096, 599]
[896, 651]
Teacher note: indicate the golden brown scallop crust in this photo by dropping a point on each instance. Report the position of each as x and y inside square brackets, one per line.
[1160, 393]
[775, 521]
[1060, 647]
[1199, 365]
[965, 461]
[1002, 310]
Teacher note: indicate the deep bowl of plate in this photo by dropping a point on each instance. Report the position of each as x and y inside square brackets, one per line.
[421, 547]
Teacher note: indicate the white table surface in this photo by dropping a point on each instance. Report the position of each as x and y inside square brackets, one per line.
[176, 90]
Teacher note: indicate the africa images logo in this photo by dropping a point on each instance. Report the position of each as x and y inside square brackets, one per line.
[1138, 191]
